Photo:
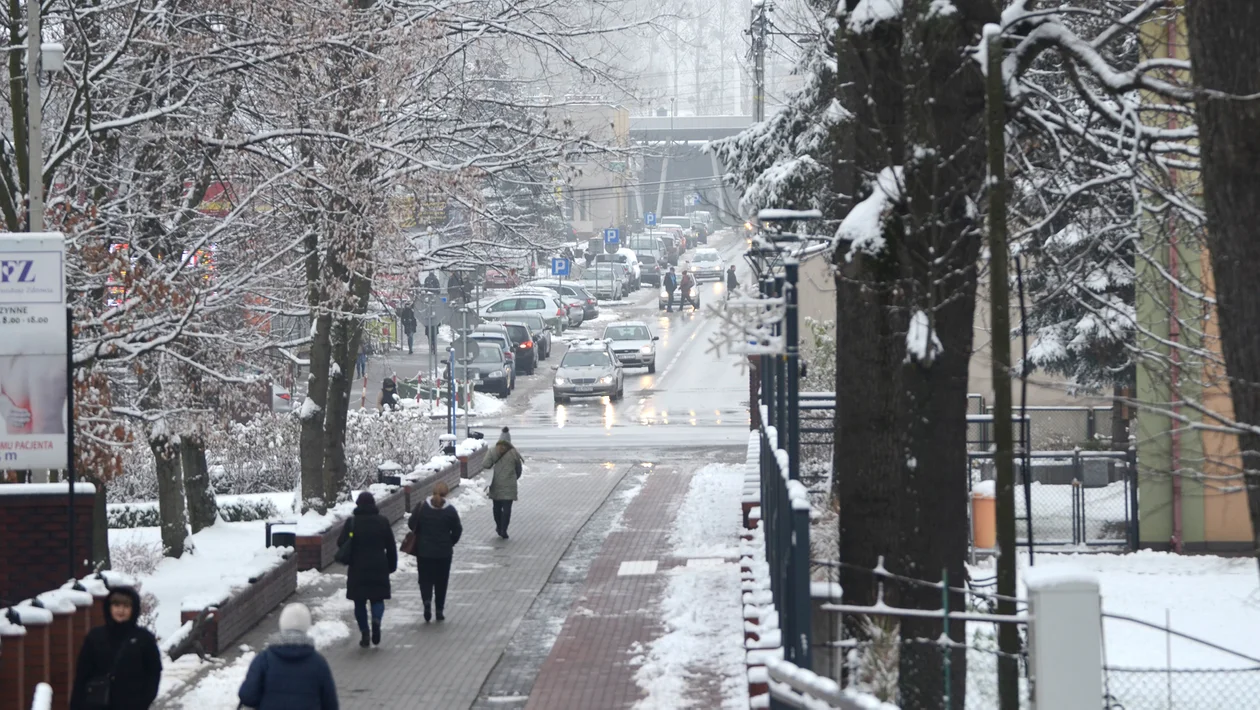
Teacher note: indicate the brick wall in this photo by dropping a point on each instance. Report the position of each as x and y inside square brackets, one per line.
[12, 668]
[35, 529]
[244, 609]
[38, 659]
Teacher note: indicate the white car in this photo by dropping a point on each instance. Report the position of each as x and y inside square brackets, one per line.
[537, 301]
[604, 280]
[628, 259]
[633, 344]
[707, 265]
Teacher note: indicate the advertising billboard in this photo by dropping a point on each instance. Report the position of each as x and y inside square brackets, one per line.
[33, 376]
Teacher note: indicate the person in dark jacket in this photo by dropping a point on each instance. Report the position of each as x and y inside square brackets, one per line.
[373, 557]
[119, 662]
[435, 523]
[408, 315]
[507, 464]
[671, 285]
[290, 674]
[732, 283]
[389, 395]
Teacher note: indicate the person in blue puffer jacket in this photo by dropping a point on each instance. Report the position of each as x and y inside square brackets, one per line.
[290, 674]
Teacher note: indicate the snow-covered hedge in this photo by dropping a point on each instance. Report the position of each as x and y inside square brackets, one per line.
[261, 456]
[145, 515]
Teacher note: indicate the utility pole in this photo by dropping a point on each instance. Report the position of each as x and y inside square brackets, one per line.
[699, 45]
[1000, 315]
[758, 33]
[34, 118]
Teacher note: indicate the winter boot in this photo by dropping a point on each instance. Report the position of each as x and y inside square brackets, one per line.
[428, 613]
[365, 641]
[440, 615]
[376, 632]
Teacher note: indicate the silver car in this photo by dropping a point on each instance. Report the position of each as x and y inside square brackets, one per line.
[604, 280]
[588, 369]
[707, 264]
[536, 301]
[633, 344]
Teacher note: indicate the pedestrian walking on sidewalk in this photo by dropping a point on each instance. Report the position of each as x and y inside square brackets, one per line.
[290, 674]
[508, 465]
[409, 327]
[119, 665]
[373, 557]
[435, 523]
[360, 364]
[732, 283]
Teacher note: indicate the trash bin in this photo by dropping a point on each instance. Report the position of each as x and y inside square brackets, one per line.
[446, 443]
[984, 515]
[389, 473]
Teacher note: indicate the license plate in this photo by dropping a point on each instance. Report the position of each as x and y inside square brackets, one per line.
[584, 389]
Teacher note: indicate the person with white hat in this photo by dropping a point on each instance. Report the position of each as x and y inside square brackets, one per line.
[507, 464]
[290, 674]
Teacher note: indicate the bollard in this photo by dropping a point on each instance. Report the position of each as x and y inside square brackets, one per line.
[984, 515]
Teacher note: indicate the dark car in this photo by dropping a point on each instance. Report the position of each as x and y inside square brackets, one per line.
[650, 269]
[489, 368]
[497, 334]
[539, 329]
[523, 346]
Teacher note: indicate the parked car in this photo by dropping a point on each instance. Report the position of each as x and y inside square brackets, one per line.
[604, 280]
[489, 368]
[632, 343]
[540, 331]
[575, 291]
[496, 334]
[650, 268]
[666, 245]
[707, 264]
[502, 278]
[523, 346]
[589, 369]
[628, 259]
[684, 223]
[575, 307]
[536, 301]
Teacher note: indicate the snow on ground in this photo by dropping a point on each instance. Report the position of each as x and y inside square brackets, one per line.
[1214, 598]
[223, 557]
[704, 636]
[483, 405]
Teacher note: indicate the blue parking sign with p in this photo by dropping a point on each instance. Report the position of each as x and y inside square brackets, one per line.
[649, 219]
[612, 235]
[559, 267]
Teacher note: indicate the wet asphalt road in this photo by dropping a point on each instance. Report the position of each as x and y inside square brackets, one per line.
[697, 399]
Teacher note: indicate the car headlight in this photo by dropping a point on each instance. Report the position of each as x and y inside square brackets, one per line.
[646, 349]
[559, 380]
[605, 380]
[664, 293]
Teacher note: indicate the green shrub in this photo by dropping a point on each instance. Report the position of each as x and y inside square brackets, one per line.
[147, 515]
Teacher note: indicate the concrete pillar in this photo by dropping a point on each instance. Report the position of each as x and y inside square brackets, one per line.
[1064, 638]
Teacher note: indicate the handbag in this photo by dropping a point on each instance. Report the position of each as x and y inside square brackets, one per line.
[96, 690]
[408, 546]
[345, 551]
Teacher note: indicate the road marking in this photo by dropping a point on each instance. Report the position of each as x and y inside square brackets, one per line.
[637, 568]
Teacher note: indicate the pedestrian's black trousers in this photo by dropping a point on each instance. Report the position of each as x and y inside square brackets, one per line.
[502, 515]
[434, 574]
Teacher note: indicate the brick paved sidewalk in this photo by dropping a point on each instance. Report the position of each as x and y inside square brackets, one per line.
[493, 584]
[598, 651]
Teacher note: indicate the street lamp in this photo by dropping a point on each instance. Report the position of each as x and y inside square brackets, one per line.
[39, 57]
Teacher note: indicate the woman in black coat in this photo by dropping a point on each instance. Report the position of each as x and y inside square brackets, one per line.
[435, 523]
[119, 662]
[373, 557]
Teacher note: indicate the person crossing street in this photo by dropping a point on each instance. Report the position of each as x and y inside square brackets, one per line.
[671, 285]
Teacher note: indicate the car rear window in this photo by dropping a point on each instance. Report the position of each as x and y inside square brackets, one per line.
[519, 333]
[647, 259]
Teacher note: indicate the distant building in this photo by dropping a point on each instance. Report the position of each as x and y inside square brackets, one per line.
[596, 197]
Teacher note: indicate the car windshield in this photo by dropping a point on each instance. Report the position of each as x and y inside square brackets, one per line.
[585, 358]
[702, 256]
[627, 332]
[533, 321]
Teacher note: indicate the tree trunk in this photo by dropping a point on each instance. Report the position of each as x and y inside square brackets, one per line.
[202, 508]
[170, 482]
[100, 526]
[311, 446]
[1226, 58]
[346, 336]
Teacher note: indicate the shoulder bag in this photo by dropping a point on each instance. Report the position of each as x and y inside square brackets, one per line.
[96, 690]
[408, 546]
[345, 552]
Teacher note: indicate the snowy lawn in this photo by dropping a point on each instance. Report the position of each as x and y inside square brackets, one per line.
[704, 637]
[483, 405]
